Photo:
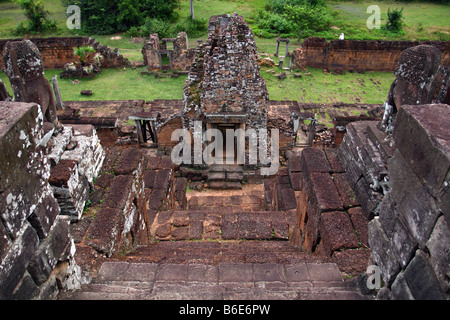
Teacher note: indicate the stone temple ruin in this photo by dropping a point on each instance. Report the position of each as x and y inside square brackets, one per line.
[85, 210]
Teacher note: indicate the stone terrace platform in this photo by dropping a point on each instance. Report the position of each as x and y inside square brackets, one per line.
[122, 109]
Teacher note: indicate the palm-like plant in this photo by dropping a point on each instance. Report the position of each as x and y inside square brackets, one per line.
[85, 55]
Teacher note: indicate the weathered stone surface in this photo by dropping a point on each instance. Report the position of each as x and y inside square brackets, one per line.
[180, 184]
[359, 222]
[104, 180]
[5, 242]
[336, 232]
[129, 161]
[118, 192]
[324, 191]
[294, 164]
[296, 180]
[403, 245]
[180, 218]
[230, 272]
[26, 73]
[162, 179]
[437, 244]
[288, 200]
[64, 174]
[58, 143]
[422, 137]
[314, 160]
[400, 289]
[157, 199]
[17, 259]
[388, 213]
[149, 178]
[333, 160]
[421, 279]
[352, 261]
[22, 163]
[419, 212]
[415, 81]
[26, 289]
[44, 216]
[49, 252]
[383, 253]
[103, 233]
[346, 193]
[368, 198]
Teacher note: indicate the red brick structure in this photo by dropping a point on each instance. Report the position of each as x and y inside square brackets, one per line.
[58, 51]
[363, 55]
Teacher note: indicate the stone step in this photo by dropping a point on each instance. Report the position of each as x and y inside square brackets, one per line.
[223, 185]
[234, 176]
[224, 251]
[226, 168]
[221, 224]
[243, 281]
[216, 175]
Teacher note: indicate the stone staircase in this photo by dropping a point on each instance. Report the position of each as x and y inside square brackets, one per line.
[225, 176]
[237, 270]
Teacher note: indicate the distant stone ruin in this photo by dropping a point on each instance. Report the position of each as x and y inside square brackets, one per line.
[175, 50]
[23, 66]
[415, 83]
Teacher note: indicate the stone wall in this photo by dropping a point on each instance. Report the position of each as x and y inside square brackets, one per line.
[330, 220]
[35, 247]
[120, 223]
[58, 51]
[362, 55]
[402, 182]
[181, 56]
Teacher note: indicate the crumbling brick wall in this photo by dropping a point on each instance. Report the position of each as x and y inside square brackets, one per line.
[34, 239]
[362, 55]
[57, 51]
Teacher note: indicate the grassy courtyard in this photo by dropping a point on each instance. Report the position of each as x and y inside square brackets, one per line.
[423, 20]
[318, 87]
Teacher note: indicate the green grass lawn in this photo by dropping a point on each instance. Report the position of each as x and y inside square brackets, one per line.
[117, 84]
[319, 87]
[433, 18]
[327, 88]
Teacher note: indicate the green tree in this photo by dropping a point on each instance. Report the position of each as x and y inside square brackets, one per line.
[110, 16]
[394, 23]
[37, 18]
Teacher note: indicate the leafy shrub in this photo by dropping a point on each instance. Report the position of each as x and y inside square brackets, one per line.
[38, 18]
[289, 17]
[164, 29]
[394, 23]
[110, 16]
[274, 22]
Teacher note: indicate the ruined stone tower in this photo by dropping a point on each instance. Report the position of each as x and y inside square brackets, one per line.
[224, 84]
